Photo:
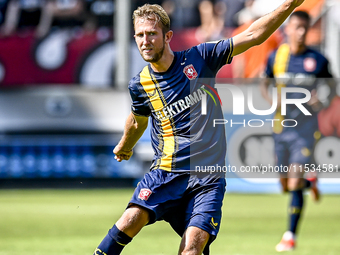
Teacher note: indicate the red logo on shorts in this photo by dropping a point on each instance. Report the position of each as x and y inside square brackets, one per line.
[144, 194]
[190, 72]
[309, 64]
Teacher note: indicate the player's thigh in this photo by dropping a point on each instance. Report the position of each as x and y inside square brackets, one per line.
[193, 241]
[300, 154]
[159, 191]
[296, 171]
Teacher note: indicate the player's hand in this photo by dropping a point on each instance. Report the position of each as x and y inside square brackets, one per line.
[297, 3]
[122, 154]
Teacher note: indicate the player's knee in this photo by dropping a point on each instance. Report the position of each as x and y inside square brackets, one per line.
[284, 184]
[295, 184]
[194, 241]
[191, 251]
[136, 212]
[133, 220]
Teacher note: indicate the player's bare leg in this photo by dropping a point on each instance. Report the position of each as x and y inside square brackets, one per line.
[132, 221]
[193, 241]
[312, 178]
[295, 177]
[284, 183]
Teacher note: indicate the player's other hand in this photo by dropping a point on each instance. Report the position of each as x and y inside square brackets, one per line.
[297, 3]
[122, 154]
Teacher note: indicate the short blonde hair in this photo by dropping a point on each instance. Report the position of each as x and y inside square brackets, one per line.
[153, 12]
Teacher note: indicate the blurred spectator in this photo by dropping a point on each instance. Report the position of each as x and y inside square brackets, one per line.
[183, 13]
[102, 12]
[231, 8]
[21, 14]
[212, 24]
[172, 8]
[251, 63]
[63, 13]
[3, 7]
[211, 27]
[246, 14]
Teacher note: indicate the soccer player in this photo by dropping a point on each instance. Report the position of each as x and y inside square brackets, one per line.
[295, 65]
[169, 90]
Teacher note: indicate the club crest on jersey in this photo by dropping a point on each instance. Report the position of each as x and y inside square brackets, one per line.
[190, 72]
[309, 64]
[144, 194]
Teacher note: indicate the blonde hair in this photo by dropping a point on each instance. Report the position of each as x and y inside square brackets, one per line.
[153, 12]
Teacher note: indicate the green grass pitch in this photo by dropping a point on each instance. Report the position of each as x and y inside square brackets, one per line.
[73, 222]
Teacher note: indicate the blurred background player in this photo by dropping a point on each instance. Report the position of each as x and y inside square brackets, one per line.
[295, 65]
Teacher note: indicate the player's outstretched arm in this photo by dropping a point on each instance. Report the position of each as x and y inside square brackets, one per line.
[134, 129]
[262, 28]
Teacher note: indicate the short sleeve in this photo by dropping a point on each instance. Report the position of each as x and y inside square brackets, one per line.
[269, 67]
[216, 54]
[139, 104]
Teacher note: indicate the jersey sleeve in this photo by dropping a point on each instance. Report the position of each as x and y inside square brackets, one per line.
[139, 105]
[216, 54]
[269, 73]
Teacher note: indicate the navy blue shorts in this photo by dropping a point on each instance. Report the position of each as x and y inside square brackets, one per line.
[291, 147]
[182, 199]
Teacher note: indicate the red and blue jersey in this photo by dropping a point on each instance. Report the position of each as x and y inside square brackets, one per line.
[303, 71]
[182, 138]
